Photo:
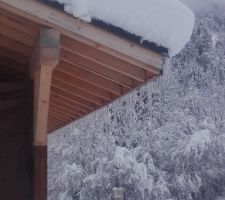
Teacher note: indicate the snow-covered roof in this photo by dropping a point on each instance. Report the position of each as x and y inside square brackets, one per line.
[167, 23]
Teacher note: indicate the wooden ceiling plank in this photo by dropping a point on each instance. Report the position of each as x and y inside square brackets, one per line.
[54, 120]
[61, 124]
[73, 109]
[69, 89]
[12, 55]
[97, 67]
[78, 83]
[61, 96]
[52, 124]
[17, 35]
[51, 130]
[68, 108]
[60, 116]
[83, 32]
[51, 127]
[19, 23]
[57, 118]
[90, 56]
[107, 74]
[59, 111]
[73, 97]
[15, 46]
[94, 79]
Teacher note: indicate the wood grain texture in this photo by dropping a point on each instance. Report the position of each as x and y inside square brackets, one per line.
[40, 172]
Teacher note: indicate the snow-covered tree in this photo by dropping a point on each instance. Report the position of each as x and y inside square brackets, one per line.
[164, 141]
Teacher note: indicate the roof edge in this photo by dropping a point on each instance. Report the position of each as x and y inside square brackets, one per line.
[117, 31]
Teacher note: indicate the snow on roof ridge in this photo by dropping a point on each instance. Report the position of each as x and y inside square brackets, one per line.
[168, 23]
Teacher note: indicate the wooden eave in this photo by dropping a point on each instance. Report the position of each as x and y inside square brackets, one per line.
[95, 67]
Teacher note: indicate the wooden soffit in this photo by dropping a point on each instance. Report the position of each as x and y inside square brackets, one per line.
[95, 67]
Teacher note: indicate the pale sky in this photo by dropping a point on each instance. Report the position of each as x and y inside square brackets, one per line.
[203, 4]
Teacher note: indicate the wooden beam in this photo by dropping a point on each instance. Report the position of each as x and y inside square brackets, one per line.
[89, 77]
[43, 62]
[86, 33]
[83, 85]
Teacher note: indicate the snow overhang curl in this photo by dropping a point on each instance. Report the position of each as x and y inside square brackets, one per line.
[167, 23]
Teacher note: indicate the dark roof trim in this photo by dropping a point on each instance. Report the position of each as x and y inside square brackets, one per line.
[116, 30]
[129, 36]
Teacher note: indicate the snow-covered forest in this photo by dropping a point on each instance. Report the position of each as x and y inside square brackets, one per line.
[164, 141]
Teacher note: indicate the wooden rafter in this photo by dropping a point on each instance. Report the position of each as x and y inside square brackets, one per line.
[60, 95]
[89, 56]
[61, 112]
[70, 89]
[69, 108]
[75, 82]
[91, 78]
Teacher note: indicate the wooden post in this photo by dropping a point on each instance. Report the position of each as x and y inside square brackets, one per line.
[43, 62]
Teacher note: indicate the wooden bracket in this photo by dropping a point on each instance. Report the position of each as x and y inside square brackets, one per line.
[47, 51]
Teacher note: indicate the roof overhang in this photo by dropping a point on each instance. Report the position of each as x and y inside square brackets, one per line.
[115, 30]
[95, 67]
